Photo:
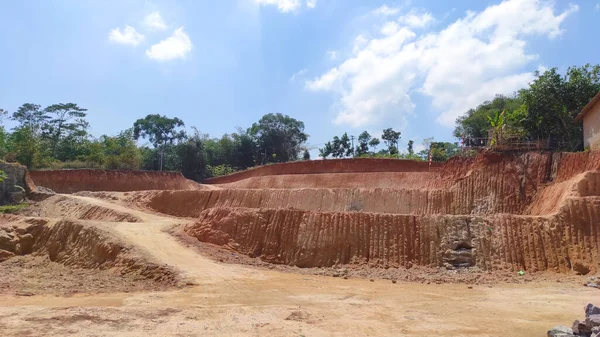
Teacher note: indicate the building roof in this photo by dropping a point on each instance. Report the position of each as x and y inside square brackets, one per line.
[588, 107]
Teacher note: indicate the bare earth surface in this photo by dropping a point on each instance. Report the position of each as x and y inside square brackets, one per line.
[233, 300]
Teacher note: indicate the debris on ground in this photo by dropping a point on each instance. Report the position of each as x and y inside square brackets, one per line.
[589, 327]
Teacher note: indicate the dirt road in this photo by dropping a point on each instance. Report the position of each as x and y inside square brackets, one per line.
[231, 300]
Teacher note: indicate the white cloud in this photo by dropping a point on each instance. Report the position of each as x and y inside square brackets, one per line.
[598, 7]
[284, 6]
[311, 3]
[298, 74]
[154, 21]
[178, 45]
[128, 36]
[458, 67]
[415, 20]
[332, 54]
[386, 11]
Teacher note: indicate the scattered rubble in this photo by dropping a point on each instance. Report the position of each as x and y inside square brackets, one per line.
[589, 327]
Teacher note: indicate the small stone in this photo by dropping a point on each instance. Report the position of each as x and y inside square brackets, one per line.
[470, 287]
[592, 321]
[5, 255]
[394, 281]
[593, 285]
[372, 280]
[591, 309]
[580, 328]
[24, 293]
[560, 331]
[345, 277]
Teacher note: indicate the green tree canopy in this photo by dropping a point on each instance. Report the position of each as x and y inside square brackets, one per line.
[278, 138]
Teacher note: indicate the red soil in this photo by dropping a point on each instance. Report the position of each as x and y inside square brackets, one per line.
[71, 181]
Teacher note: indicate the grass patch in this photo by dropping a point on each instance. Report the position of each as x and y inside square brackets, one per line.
[10, 209]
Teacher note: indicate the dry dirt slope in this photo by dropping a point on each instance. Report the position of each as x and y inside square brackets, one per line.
[237, 301]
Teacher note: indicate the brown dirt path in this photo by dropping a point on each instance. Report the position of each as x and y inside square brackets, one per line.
[231, 300]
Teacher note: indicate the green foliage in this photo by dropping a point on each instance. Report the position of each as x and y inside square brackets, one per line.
[306, 155]
[10, 209]
[543, 111]
[391, 138]
[278, 138]
[219, 170]
[410, 147]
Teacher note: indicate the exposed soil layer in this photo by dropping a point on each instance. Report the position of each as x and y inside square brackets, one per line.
[60, 206]
[361, 165]
[535, 212]
[71, 181]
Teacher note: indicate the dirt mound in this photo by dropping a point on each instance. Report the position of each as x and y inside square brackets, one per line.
[59, 206]
[71, 181]
[82, 246]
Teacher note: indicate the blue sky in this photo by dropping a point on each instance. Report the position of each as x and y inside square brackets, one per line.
[337, 65]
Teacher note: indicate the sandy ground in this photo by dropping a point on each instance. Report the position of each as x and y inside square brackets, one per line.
[234, 300]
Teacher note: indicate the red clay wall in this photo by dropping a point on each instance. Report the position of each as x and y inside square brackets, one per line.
[328, 166]
[71, 181]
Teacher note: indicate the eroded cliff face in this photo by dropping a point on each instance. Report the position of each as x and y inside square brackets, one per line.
[71, 181]
[529, 211]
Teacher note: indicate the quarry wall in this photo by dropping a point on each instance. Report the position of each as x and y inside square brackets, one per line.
[532, 211]
[71, 181]
[356, 165]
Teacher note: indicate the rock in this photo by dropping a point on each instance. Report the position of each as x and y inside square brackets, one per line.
[592, 321]
[20, 230]
[593, 285]
[580, 268]
[6, 241]
[591, 309]
[5, 255]
[560, 331]
[24, 245]
[581, 328]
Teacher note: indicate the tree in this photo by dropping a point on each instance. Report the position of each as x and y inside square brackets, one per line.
[32, 117]
[326, 150]
[474, 124]
[160, 130]
[363, 144]
[191, 153]
[279, 138]
[345, 146]
[410, 147]
[374, 143]
[65, 125]
[391, 138]
[306, 155]
[552, 102]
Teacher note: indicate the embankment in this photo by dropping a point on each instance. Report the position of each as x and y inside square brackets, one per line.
[532, 211]
[358, 165]
[497, 242]
[71, 181]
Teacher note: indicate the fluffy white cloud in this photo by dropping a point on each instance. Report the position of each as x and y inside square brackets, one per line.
[386, 11]
[298, 74]
[178, 45]
[415, 20]
[284, 6]
[311, 3]
[127, 35]
[154, 21]
[458, 67]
